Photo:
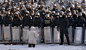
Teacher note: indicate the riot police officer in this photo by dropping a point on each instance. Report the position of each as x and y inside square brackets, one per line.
[72, 7]
[55, 8]
[53, 14]
[70, 19]
[55, 22]
[37, 21]
[43, 14]
[23, 11]
[26, 18]
[74, 17]
[83, 14]
[1, 19]
[79, 27]
[63, 9]
[7, 19]
[16, 20]
[79, 20]
[63, 25]
[71, 26]
[79, 8]
[28, 7]
[49, 23]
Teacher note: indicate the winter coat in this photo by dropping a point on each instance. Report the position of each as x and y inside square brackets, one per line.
[32, 35]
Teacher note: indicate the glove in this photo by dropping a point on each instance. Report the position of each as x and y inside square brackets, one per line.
[23, 26]
[17, 25]
[50, 26]
[6, 24]
[12, 25]
[57, 29]
[39, 26]
[74, 27]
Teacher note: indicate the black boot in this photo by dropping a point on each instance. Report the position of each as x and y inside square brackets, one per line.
[33, 45]
[61, 44]
[29, 45]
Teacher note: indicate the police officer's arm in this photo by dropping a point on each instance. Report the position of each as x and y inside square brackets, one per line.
[83, 21]
[1, 20]
[10, 20]
[75, 23]
[54, 22]
[19, 22]
[72, 22]
[33, 21]
[50, 23]
[23, 22]
[41, 21]
[58, 25]
[67, 23]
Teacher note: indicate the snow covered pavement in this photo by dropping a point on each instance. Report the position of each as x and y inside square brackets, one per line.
[42, 47]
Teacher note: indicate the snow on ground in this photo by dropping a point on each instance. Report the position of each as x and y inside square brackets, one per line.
[42, 47]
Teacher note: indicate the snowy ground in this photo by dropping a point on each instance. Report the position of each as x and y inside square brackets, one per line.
[42, 47]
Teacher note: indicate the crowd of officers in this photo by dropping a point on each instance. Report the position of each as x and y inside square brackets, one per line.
[39, 15]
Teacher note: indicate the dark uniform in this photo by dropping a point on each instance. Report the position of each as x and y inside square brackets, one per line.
[1, 20]
[47, 22]
[16, 21]
[37, 21]
[79, 21]
[27, 20]
[7, 19]
[63, 25]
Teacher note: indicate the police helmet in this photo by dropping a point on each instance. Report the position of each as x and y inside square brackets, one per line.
[27, 12]
[53, 12]
[61, 13]
[37, 14]
[47, 15]
[57, 14]
[79, 14]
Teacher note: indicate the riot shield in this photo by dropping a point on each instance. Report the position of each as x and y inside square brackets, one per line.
[48, 35]
[0, 32]
[38, 30]
[7, 32]
[85, 37]
[56, 35]
[78, 36]
[16, 34]
[70, 33]
[25, 33]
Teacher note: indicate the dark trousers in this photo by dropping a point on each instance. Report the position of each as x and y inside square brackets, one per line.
[31, 45]
[62, 32]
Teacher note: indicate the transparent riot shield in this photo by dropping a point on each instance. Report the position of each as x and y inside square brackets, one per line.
[7, 32]
[85, 37]
[25, 33]
[0, 32]
[70, 33]
[16, 34]
[38, 30]
[78, 36]
[56, 35]
[48, 34]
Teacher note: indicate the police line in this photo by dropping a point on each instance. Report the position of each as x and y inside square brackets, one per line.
[14, 34]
